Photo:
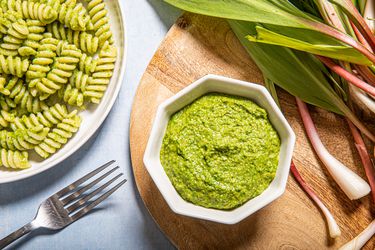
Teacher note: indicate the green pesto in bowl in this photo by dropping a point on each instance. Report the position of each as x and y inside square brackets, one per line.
[220, 151]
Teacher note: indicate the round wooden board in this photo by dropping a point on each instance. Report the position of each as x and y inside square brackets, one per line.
[199, 45]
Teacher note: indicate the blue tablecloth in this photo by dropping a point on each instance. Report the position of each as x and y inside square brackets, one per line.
[122, 222]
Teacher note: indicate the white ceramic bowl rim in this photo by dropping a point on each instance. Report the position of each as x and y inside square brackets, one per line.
[186, 96]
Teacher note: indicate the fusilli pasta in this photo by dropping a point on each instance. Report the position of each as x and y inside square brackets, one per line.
[100, 21]
[13, 65]
[47, 118]
[21, 96]
[58, 136]
[34, 10]
[55, 55]
[74, 16]
[5, 118]
[16, 34]
[81, 39]
[102, 74]
[14, 159]
[32, 43]
[23, 139]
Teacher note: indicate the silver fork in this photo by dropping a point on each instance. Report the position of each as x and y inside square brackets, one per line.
[68, 205]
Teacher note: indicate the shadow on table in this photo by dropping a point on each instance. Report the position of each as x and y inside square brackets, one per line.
[16, 191]
[167, 13]
[151, 230]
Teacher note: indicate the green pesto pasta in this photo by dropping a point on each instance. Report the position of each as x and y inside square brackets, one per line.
[81, 39]
[14, 159]
[14, 38]
[23, 139]
[32, 43]
[13, 65]
[5, 119]
[58, 136]
[56, 57]
[20, 96]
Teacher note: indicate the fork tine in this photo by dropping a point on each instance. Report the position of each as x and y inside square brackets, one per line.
[93, 204]
[83, 179]
[76, 194]
[87, 197]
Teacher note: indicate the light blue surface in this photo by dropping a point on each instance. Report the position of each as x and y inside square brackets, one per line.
[122, 222]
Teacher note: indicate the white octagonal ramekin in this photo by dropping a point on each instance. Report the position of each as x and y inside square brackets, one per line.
[207, 84]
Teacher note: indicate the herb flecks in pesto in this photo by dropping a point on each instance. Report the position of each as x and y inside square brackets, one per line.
[220, 151]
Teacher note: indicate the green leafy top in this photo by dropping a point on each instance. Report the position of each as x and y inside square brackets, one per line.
[282, 23]
[297, 72]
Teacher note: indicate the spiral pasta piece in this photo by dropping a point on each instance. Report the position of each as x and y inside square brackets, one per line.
[17, 33]
[9, 5]
[81, 39]
[47, 118]
[100, 21]
[72, 96]
[4, 24]
[87, 64]
[79, 80]
[34, 10]
[8, 17]
[54, 4]
[3, 90]
[14, 159]
[23, 139]
[40, 65]
[5, 118]
[21, 96]
[62, 69]
[73, 92]
[32, 43]
[103, 73]
[7, 104]
[58, 136]
[13, 65]
[74, 16]
[9, 10]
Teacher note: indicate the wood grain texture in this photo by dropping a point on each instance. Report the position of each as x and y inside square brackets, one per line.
[196, 46]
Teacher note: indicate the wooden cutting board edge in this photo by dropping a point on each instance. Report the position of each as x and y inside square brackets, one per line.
[167, 73]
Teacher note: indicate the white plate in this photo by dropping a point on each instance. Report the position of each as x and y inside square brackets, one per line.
[94, 116]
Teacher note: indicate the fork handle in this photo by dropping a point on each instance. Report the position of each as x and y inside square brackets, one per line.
[17, 234]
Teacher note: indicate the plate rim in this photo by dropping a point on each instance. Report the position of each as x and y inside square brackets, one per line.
[89, 134]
